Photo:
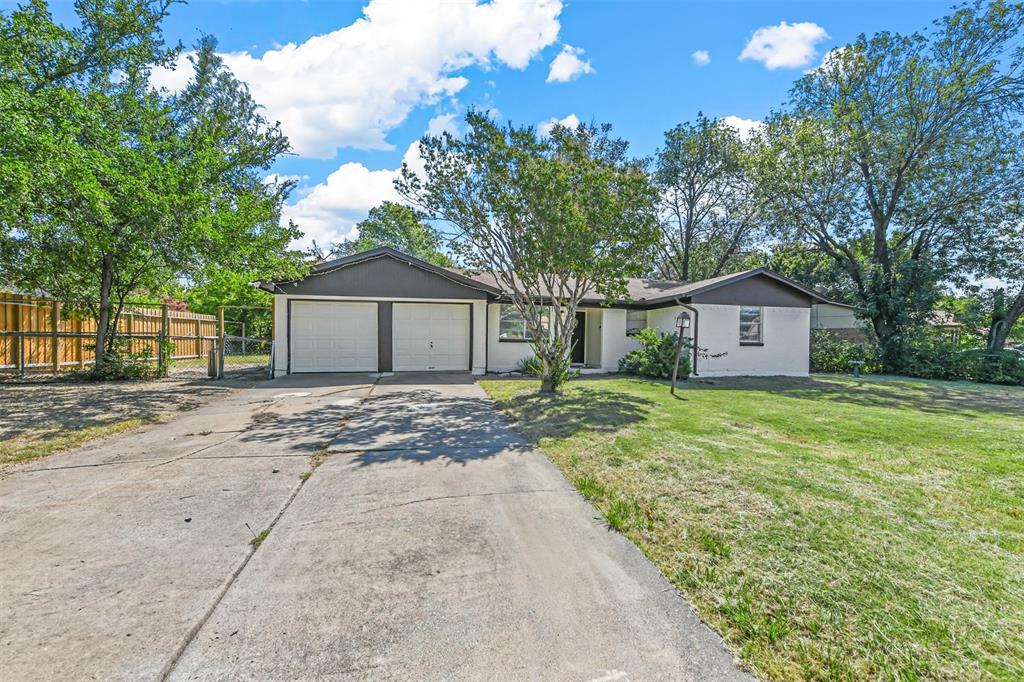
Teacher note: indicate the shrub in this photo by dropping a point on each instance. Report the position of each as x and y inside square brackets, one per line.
[829, 353]
[655, 355]
[931, 356]
[533, 367]
[123, 363]
[530, 366]
[1003, 367]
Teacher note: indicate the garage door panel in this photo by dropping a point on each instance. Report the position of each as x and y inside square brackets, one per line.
[430, 336]
[334, 336]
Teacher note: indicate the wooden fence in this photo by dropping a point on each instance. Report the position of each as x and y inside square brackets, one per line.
[37, 335]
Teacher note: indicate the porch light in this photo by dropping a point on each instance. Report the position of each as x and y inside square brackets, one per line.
[683, 321]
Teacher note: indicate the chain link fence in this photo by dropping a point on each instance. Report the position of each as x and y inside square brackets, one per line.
[245, 356]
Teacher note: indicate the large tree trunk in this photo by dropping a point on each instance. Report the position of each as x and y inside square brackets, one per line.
[554, 362]
[1000, 332]
[103, 323]
[889, 346]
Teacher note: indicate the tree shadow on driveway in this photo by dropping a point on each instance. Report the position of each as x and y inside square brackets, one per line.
[597, 410]
[422, 424]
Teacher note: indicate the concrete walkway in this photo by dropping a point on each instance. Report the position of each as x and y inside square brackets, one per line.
[432, 543]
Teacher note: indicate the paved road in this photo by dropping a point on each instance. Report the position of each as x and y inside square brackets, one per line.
[432, 543]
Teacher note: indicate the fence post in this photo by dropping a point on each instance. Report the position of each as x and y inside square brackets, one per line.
[163, 362]
[80, 343]
[220, 342]
[19, 316]
[55, 339]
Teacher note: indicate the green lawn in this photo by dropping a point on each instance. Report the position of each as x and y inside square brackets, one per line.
[828, 528]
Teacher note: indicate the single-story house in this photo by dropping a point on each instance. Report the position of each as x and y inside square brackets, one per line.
[386, 311]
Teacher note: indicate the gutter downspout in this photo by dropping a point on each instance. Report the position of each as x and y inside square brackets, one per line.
[696, 321]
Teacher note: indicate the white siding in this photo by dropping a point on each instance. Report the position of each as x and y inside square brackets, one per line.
[280, 335]
[502, 356]
[479, 337]
[614, 342]
[786, 341]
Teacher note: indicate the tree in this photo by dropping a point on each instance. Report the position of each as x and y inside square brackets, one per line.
[807, 265]
[1005, 261]
[550, 218]
[131, 191]
[907, 144]
[44, 69]
[398, 227]
[709, 215]
[225, 287]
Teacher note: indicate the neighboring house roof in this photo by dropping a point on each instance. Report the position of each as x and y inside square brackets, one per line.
[943, 318]
[640, 291]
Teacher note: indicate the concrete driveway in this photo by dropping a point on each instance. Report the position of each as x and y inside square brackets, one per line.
[432, 543]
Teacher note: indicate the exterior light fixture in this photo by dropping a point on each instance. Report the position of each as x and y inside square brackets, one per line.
[683, 321]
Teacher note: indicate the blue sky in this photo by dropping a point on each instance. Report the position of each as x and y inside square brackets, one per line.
[357, 83]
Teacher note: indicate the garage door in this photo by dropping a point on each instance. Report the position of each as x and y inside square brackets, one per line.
[330, 336]
[430, 336]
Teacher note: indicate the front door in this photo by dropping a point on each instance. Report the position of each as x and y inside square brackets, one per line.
[579, 335]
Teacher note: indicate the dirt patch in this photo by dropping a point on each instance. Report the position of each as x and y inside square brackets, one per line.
[37, 419]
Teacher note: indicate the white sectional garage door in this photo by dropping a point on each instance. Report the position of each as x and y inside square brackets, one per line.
[334, 336]
[430, 336]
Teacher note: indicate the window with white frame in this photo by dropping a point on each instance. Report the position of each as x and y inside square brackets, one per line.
[635, 321]
[751, 328]
[512, 324]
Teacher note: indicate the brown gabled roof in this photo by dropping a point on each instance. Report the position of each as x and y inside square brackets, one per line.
[648, 292]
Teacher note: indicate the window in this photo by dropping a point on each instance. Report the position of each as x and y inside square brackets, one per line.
[512, 325]
[635, 321]
[750, 326]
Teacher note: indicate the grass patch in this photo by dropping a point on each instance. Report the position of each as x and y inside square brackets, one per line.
[828, 528]
[257, 540]
[317, 458]
[34, 444]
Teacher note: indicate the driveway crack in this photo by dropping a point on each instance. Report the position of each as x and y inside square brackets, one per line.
[467, 495]
[194, 631]
[198, 626]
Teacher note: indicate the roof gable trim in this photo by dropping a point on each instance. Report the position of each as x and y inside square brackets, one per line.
[385, 252]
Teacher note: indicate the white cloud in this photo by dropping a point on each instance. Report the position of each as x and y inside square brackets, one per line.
[444, 123]
[350, 87]
[570, 121]
[281, 178]
[328, 212]
[568, 65]
[745, 126]
[701, 58]
[786, 45]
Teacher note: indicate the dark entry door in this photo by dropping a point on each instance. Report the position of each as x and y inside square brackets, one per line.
[579, 333]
